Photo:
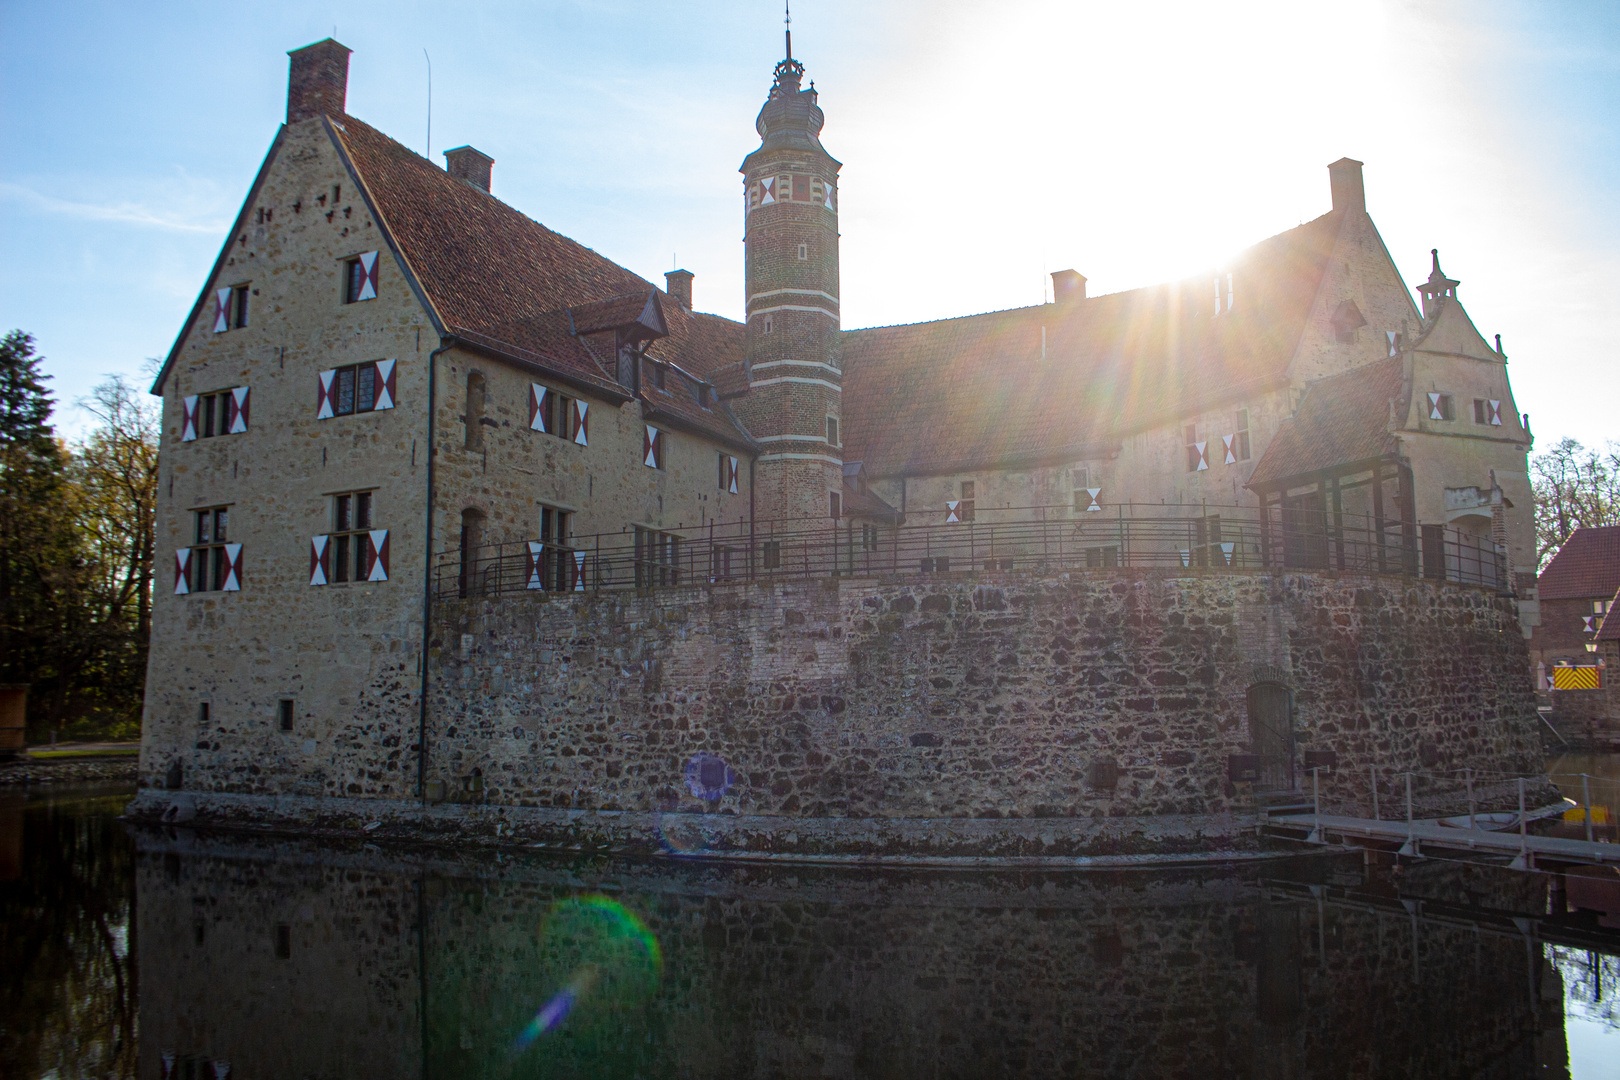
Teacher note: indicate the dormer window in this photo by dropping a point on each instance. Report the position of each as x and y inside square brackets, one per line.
[1347, 319]
[1442, 407]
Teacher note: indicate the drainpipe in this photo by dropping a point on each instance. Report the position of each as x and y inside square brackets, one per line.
[753, 548]
[446, 344]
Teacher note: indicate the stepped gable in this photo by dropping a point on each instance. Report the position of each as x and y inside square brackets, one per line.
[505, 283]
[1586, 566]
[1342, 418]
[957, 393]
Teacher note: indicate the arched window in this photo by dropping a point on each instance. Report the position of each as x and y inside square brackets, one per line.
[1271, 735]
[472, 538]
[475, 411]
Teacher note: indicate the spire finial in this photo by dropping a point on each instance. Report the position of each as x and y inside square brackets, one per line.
[787, 23]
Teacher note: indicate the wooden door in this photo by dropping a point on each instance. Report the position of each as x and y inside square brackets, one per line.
[1271, 733]
[1304, 531]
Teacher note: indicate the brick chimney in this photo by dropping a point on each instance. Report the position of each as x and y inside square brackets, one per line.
[678, 283]
[318, 81]
[1345, 177]
[473, 166]
[1068, 285]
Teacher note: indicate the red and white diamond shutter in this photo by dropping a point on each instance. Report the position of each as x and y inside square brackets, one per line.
[537, 552]
[233, 568]
[182, 559]
[1231, 455]
[383, 396]
[731, 475]
[1496, 413]
[237, 411]
[377, 555]
[652, 447]
[579, 571]
[1392, 338]
[831, 203]
[953, 513]
[582, 422]
[537, 407]
[1590, 623]
[1092, 498]
[222, 310]
[323, 395]
[1434, 408]
[320, 559]
[1203, 456]
[188, 422]
[767, 191]
[368, 284]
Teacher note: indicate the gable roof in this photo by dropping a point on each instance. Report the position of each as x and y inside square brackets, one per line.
[1587, 566]
[1341, 419]
[947, 395]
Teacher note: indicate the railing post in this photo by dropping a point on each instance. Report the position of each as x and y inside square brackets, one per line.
[1469, 773]
[1316, 804]
[1523, 861]
[1372, 780]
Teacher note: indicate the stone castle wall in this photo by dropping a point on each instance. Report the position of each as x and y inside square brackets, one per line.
[948, 699]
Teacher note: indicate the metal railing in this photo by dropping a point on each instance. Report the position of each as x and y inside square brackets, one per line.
[1040, 539]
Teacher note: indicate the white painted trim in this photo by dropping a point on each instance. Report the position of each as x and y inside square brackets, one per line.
[792, 438]
[792, 307]
[798, 363]
[795, 292]
[795, 379]
[802, 457]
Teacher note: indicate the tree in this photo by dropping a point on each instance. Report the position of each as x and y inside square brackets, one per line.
[1573, 486]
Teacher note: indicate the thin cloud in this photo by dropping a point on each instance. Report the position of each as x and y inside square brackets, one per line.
[128, 213]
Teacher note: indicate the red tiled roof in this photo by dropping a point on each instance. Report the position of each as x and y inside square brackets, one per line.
[1586, 566]
[1342, 418]
[505, 282]
[940, 396]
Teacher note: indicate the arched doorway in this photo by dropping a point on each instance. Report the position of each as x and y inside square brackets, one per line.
[1271, 734]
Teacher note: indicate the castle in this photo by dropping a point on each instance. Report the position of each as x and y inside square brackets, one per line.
[388, 414]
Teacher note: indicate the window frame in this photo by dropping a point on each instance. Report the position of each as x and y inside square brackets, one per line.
[967, 496]
[1241, 447]
[352, 520]
[208, 564]
[355, 396]
[833, 437]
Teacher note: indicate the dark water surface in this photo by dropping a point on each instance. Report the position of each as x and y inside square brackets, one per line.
[190, 955]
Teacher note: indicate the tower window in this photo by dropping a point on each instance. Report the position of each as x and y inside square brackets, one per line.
[804, 252]
[769, 325]
[832, 431]
[836, 504]
[284, 714]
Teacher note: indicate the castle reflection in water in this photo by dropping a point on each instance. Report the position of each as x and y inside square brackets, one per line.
[304, 961]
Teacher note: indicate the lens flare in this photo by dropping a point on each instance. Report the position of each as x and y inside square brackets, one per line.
[613, 963]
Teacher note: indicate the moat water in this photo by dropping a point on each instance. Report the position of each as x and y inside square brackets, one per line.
[188, 955]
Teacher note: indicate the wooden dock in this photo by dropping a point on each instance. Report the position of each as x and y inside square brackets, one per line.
[1525, 849]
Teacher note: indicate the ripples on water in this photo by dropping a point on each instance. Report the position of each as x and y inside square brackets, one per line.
[259, 959]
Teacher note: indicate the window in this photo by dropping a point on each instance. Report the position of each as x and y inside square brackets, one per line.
[223, 412]
[202, 713]
[659, 375]
[1392, 341]
[804, 252]
[231, 308]
[1240, 439]
[360, 278]
[1442, 407]
[1080, 478]
[769, 324]
[211, 563]
[770, 555]
[1487, 411]
[473, 420]
[1601, 607]
[284, 714]
[284, 932]
[835, 504]
[869, 537]
[552, 564]
[964, 509]
[658, 556]
[350, 538]
[355, 388]
[1099, 558]
[1197, 452]
[557, 414]
[727, 473]
[832, 431]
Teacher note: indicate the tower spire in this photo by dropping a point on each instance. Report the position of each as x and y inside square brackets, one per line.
[787, 24]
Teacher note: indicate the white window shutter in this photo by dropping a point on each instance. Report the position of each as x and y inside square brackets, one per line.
[537, 552]
[384, 394]
[579, 571]
[1496, 414]
[649, 445]
[1434, 407]
[731, 473]
[239, 411]
[582, 424]
[1393, 339]
[233, 568]
[222, 311]
[537, 407]
[323, 395]
[319, 558]
[182, 557]
[188, 423]
[1203, 456]
[953, 513]
[1094, 498]
[368, 286]
[377, 555]
[1231, 455]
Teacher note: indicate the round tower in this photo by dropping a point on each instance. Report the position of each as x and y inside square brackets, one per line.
[790, 187]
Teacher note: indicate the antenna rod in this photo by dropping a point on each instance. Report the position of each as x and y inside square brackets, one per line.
[430, 105]
[787, 21]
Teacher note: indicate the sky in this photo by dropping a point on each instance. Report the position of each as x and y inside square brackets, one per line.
[984, 145]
